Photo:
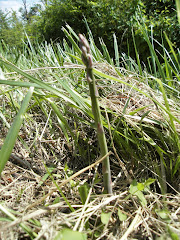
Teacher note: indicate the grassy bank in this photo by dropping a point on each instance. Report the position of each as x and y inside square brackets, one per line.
[46, 186]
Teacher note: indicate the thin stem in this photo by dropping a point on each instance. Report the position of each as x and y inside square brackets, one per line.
[87, 60]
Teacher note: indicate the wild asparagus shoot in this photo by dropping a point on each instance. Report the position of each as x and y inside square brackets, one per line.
[88, 62]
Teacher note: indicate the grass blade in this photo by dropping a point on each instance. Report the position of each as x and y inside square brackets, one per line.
[116, 51]
[13, 131]
[178, 9]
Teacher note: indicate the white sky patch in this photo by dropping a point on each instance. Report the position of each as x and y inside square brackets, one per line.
[16, 4]
[8, 5]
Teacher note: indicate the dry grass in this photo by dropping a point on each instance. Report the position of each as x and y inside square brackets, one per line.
[20, 188]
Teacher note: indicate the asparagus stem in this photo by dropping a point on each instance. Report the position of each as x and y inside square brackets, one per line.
[87, 60]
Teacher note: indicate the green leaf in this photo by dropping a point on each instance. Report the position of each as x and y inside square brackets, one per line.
[122, 216]
[11, 216]
[140, 186]
[3, 219]
[66, 234]
[139, 109]
[105, 217]
[173, 235]
[56, 200]
[177, 165]
[83, 191]
[40, 83]
[135, 191]
[163, 214]
[149, 181]
[141, 197]
[133, 187]
[44, 178]
[61, 120]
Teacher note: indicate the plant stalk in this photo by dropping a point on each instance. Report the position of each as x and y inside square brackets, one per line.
[87, 60]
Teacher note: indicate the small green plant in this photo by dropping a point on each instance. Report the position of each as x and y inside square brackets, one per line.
[137, 189]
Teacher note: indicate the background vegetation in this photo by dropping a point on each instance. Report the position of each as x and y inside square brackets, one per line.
[104, 18]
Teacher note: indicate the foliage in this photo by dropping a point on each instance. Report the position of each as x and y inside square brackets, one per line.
[103, 17]
[166, 148]
[11, 28]
[14, 29]
[108, 17]
[159, 16]
[178, 9]
[140, 107]
[14, 131]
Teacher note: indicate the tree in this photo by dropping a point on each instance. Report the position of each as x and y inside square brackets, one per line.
[3, 20]
[24, 11]
[28, 14]
[30, 17]
[104, 18]
[11, 28]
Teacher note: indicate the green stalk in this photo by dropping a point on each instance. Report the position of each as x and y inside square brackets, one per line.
[87, 60]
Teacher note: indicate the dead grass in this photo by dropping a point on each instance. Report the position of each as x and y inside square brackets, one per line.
[20, 188]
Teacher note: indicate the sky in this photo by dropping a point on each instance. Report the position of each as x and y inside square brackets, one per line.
[15, 4]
